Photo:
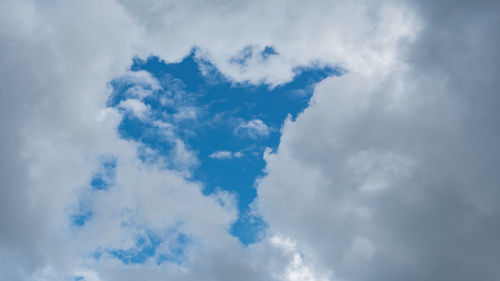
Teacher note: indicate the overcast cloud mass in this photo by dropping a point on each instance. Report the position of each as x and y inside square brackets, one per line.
[391, 172]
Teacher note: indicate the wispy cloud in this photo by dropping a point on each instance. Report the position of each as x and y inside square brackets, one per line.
[135, 107]
[255, 128]
[225, 154]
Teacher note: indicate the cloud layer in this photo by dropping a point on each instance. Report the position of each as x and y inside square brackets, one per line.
[401, 178]
[390, 174]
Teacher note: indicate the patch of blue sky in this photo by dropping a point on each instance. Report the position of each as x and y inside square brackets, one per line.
[106, 173]
[82, 215]
[148, 245]
[176, 250]
[267, 52]
[100, 180]
[81, 218]
[255, 52]
[144, 248]
[228, 125]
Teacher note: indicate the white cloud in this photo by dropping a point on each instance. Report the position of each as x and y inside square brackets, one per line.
[144, 84]
[225, 154]
[254, 128]
[417, 119]
[360, 36]
[182, 156]
[138, 108]
[296, 270]
[186, 113]
[221, 155]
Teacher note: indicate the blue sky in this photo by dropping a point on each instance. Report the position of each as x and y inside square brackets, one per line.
[227, 125]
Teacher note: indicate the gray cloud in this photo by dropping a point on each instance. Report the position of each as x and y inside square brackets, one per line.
[391, 174]
[427, 133]
[57, 59]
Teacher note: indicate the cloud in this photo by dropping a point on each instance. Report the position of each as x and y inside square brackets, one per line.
[54, 83]
[139, 109]
[186, 113]
[254, 129]
[387, 176]
[296, 270]
[224, 154]
[144, 84]
[414, 124]
[358, 36]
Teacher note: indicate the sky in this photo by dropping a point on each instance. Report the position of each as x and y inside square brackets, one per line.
[249, 140]
[221, 127]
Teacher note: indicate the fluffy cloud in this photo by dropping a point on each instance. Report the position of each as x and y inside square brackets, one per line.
[390, 174]
[53, 88]
[363, 35]
[390, 177]
[136, 107]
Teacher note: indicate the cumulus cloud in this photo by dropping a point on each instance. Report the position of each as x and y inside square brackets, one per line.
[361, 36]
[389, 174]
[394, 168]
